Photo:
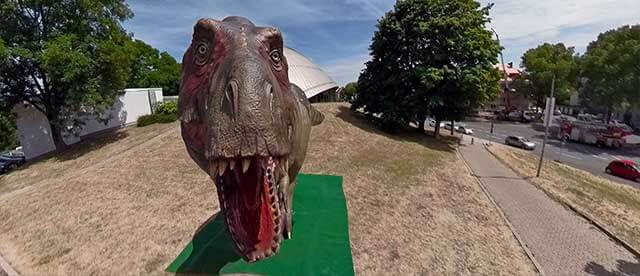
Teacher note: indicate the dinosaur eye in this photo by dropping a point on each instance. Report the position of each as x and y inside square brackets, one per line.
[201, 54]
[276, 57]
[202, 49]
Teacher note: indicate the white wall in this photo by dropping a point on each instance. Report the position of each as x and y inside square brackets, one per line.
[35, 133]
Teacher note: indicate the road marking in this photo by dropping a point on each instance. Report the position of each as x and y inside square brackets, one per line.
[614, 156]
[600, 157]
[618, 157]
[571, 156]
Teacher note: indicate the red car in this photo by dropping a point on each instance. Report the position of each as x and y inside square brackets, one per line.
[624, 168]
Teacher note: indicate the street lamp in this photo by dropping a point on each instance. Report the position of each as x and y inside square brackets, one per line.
[504, 69]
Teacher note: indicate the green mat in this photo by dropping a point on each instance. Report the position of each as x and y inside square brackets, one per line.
[320, 243]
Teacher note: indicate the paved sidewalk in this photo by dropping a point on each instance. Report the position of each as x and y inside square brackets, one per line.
[561, 242]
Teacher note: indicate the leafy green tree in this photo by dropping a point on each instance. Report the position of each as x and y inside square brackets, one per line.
[69, 59]
[8, 133]
[542, 63]
[523, 86]
[154, 69]
[429, 57]
[349, 91]
[611, 71]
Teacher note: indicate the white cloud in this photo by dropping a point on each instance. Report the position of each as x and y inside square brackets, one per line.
[522, 24]
[526, 24]
[347, 69]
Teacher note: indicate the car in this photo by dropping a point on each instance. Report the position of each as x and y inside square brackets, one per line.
[432, 123]
[11, 160]
[464, 130]
[448, 126]
[515, 116]
[520, 142]
[530, 116]
[624, 168]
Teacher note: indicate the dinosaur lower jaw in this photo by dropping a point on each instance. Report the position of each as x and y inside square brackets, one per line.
[251, 201]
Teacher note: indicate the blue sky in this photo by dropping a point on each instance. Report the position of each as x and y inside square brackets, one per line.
[336, 33]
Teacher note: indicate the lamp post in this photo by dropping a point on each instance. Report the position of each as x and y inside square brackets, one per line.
[504, 71]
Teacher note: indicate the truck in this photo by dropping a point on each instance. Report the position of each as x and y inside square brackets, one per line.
[594, 133]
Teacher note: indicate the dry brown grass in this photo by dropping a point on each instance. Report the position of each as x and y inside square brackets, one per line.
[615, 205]
[129, 207]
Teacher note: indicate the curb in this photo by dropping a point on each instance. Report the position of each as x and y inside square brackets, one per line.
[579, 212]
[524, 247]
[4, 266]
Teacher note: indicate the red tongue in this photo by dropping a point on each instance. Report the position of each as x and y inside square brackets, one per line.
[252, 218]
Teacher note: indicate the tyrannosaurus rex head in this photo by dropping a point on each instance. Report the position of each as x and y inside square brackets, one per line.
[234, 106]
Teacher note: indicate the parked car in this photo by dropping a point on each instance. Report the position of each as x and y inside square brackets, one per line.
[449, 125]
[520, 142]
[464, 130]
[624, 168]
[515, 116]
[432, 123]
[530, 116]
[11, 160]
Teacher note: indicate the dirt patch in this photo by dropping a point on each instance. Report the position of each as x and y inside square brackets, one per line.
[130, 209]
[615, 205]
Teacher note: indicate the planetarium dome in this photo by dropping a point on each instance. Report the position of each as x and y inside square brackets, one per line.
[308, 75]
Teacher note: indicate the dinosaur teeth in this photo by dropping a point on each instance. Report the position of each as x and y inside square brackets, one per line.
[213, 168]
[222, 166]
[232, 164]
[245, 164]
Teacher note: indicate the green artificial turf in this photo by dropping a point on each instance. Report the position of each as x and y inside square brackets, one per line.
[319, 244]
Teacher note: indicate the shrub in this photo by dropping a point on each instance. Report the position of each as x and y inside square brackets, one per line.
[164, 113]
[146, 120]
[158, 118]
[167, 108]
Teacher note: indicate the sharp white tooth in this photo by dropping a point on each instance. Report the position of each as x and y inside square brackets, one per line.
[245, 164]
[213, 168]
[222, 166]
[232, 164]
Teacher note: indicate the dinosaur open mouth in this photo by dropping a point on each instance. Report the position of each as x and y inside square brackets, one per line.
[251, 202]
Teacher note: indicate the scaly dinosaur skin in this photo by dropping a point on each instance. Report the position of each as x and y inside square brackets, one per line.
[245, 125]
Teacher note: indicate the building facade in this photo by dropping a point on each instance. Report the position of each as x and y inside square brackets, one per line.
[509, 99]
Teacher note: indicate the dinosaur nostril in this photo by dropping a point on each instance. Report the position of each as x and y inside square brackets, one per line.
[230, 100]
[269, 90]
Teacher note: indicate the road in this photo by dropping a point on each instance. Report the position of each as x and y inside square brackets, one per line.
[586, 157]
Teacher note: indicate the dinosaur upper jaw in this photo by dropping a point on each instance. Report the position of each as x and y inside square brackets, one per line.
[252, 202]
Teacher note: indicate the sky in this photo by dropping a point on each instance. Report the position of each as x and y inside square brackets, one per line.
[336, 34]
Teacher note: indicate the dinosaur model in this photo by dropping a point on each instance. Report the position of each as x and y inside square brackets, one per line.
[245, 125]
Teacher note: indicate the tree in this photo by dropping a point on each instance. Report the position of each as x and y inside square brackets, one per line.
[542, 63]
[523, 86]
[154, 69]
[349, 91]
[430, 57]
[8, 133]
[69, 59]
[611, 71]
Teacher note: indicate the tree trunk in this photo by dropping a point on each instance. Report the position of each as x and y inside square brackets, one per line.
[56, 135]
[452, 126]
[421, 120]
[436, 131]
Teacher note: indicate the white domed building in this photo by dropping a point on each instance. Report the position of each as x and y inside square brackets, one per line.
[315, 83]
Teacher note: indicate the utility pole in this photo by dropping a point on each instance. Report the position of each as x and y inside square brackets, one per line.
[548, 116]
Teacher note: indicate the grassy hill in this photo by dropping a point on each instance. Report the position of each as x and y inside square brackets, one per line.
[128, 203]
